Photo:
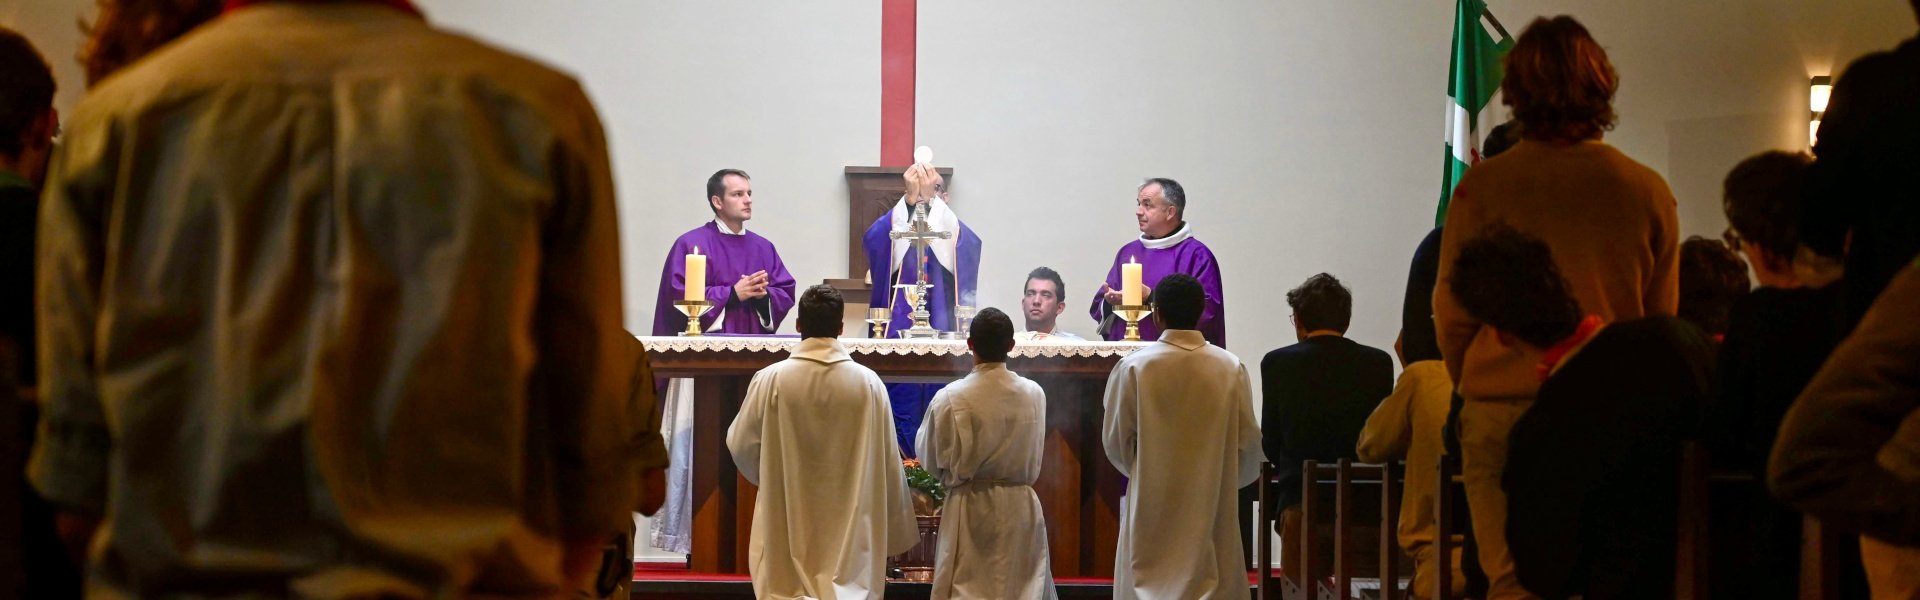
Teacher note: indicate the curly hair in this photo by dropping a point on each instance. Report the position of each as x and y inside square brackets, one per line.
[1322, 303]
[1712, 277]
[1559, 82]
[127, 30]
[1762, 202]
[1508, 280]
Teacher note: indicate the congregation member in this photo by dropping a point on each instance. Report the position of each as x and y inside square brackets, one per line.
[1316, 396]
[1166, 246]
[312, 300]
[1712, 278]
[1179, 425]
[32, 563]
[983, 438]
[1777, 337]
[1862, 200]
[1592, 478]
[951, 267]
[1409, 425]
[1610, 222]
[815, 435]
[1849, 448]
[751, 293]
[615, 574]
[1042, 303]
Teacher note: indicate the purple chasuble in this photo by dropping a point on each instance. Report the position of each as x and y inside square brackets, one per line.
[1190, 257]
[942, 279]
[729, 257]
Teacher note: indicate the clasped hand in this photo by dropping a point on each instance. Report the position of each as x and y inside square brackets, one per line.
[751, 286]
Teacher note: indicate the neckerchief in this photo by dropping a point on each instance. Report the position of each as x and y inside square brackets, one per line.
[1559, 351]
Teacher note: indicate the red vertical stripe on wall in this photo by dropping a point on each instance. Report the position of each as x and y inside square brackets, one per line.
[897, 30]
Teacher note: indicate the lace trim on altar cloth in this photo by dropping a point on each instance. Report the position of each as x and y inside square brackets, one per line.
[889, 346]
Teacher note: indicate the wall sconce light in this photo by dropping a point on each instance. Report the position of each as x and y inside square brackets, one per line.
[1821, 90]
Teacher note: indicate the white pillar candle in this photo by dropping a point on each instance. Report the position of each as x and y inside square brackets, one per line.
[696, 275]
[1130, 283]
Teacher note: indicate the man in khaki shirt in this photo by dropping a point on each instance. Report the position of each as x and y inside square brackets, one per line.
[330, 306]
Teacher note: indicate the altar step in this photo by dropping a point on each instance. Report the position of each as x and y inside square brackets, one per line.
[673, 582]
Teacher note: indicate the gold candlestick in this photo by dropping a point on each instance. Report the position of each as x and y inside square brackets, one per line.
[1132, 314]
[693, 309]
[879, 319]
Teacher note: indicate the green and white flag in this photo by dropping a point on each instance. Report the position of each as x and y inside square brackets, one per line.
[1479, 43]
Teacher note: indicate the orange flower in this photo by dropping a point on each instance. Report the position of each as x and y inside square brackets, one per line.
[911, 463]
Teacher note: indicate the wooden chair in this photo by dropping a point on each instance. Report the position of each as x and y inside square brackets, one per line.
[1348, 529]
[1454, 533]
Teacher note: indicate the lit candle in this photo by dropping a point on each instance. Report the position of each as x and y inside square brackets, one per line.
[1130, 283]
[696, 275]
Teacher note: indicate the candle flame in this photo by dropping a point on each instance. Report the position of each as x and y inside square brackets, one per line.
[696, 250]
[1131, 261]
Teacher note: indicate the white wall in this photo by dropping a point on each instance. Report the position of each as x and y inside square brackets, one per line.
[788, 91]
[1308, 136]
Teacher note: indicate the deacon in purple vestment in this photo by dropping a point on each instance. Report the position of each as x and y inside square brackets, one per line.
[1166, 246]
[749, 287]
[751, 293]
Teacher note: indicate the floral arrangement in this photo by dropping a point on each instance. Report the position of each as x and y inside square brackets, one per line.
[926, 487]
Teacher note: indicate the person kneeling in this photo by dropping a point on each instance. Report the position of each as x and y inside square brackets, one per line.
[1593, 467]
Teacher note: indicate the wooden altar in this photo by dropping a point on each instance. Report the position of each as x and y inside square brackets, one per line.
[1079, 489]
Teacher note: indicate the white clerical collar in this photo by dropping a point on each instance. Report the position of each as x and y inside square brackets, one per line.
[939, 218]
[722, 226]
[1186, 231]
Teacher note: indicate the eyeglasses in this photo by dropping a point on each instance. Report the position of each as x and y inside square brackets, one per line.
[1731, 238]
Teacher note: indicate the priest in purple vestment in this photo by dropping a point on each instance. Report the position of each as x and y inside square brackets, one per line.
[952, 266]
[900, 262]
[1166, 246]
[749, 287]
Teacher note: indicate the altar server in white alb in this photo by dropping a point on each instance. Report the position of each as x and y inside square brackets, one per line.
[982, 437]
[815, 433]
[1180, 426]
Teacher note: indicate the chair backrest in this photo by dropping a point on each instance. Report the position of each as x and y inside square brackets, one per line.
[1337, 507]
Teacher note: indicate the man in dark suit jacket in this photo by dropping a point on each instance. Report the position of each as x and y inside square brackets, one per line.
[1317, 395]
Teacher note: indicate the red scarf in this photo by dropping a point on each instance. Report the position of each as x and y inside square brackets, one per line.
[1560, 351]
[400, 5]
